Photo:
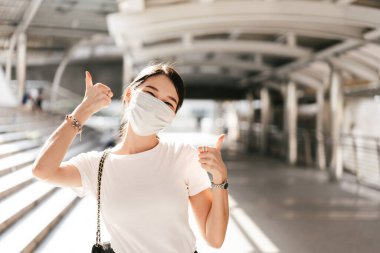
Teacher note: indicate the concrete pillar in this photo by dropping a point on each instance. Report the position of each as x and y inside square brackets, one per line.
[21, 65]
[291, 108]
[127, 71]
[58, 76]
[336, 110]
[265, 118]
[250, 121]
[8, 65]
[219, 121]
[321, 157]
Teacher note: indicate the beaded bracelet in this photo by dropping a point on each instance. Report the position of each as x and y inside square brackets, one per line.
[75, 123]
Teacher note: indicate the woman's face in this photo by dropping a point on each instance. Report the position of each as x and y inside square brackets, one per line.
[161, 87]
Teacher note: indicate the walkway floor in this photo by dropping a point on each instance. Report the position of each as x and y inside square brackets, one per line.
[297, 210]
[273, 208]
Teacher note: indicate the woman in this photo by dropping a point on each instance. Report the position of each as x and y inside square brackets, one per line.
[147, 182]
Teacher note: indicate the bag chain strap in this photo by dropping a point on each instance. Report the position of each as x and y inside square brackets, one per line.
[101, 163]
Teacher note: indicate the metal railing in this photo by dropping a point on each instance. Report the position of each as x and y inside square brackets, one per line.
[361, 157]
[361, 154]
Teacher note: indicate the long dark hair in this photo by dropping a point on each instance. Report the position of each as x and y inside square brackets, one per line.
[162, 68]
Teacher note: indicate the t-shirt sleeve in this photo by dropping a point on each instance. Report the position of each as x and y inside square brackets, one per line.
[84, 165]
[197, 178]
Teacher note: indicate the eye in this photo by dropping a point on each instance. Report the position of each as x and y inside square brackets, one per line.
[169, 104]
[155, 96]
[150, 93]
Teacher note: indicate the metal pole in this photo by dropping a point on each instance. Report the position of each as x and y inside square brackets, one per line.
[292, 113]
[21, 65]
[336, 108]
[265, 111]
[321, 158]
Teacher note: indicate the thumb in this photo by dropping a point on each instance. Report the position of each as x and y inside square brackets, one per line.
[219, 142]
[88, 80]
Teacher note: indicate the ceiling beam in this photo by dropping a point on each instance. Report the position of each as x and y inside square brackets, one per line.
[345, 2]
[265, 48]
[131, 6]
[352, 66]
[335, 32]
[240, 13]
[305, 80]
[225, 62]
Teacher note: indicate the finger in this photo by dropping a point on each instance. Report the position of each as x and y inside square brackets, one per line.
[103, 86]
[88, 80]
[200, 148]
[104, 89]
[206, 167]
[219, 142]
[209, 150]
[204, 160]
[109, 93]
[206, 155]
[105, 98]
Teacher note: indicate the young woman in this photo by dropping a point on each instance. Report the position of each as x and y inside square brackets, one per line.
[147, 181]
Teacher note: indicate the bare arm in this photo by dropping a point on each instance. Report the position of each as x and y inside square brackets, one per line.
[56, 146]
[48, 164]
[211, 207]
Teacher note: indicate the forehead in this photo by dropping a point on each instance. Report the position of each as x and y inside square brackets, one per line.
[164, 85]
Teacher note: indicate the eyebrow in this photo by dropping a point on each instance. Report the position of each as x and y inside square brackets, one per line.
[154, 88]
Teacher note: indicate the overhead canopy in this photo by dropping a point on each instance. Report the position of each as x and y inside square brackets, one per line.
[238, 43]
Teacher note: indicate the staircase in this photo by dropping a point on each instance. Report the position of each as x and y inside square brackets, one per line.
[31, 209]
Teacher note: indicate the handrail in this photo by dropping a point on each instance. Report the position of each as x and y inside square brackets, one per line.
[361, 153]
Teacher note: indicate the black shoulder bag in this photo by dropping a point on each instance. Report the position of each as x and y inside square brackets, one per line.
[101, 247]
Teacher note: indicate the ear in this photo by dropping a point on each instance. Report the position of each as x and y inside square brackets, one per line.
[127, 95]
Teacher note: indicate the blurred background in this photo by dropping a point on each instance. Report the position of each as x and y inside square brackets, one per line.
[294, 85]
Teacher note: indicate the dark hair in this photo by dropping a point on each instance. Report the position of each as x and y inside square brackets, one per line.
[166, 69]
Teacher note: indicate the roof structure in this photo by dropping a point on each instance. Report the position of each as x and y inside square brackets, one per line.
[215, 42]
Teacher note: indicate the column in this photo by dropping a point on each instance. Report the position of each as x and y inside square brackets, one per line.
[336, 110]
[250, 121]
[321, 157]
[291, 108]
[21, 65]
[265, 118]
[127, 71]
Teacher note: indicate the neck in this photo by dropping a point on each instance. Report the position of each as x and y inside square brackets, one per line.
[133, 143]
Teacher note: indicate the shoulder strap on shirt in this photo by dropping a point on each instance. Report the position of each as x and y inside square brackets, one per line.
[100, 171]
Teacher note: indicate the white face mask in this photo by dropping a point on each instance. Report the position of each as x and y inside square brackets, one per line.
[148, 115]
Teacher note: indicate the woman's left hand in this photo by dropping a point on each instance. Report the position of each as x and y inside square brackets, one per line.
[212, 161]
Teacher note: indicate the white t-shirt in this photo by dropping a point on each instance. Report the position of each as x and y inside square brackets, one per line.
[145, 196]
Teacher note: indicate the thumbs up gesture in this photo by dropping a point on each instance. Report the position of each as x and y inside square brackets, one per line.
[211, 160]
[96, 95]
[95, 98]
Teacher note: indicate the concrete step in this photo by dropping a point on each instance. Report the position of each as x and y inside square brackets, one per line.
[77, 228]
[28, 134]
[35, 124]
[32, 228]
[16, 161]
[16, 180]
[18, 146]
[19, 204]
[20, 118]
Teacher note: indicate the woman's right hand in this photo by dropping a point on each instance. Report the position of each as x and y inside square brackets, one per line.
[96, 97]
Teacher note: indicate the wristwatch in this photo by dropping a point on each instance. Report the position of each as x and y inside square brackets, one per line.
[223, 185]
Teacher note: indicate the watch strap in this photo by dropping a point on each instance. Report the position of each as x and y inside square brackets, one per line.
[223, 185]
